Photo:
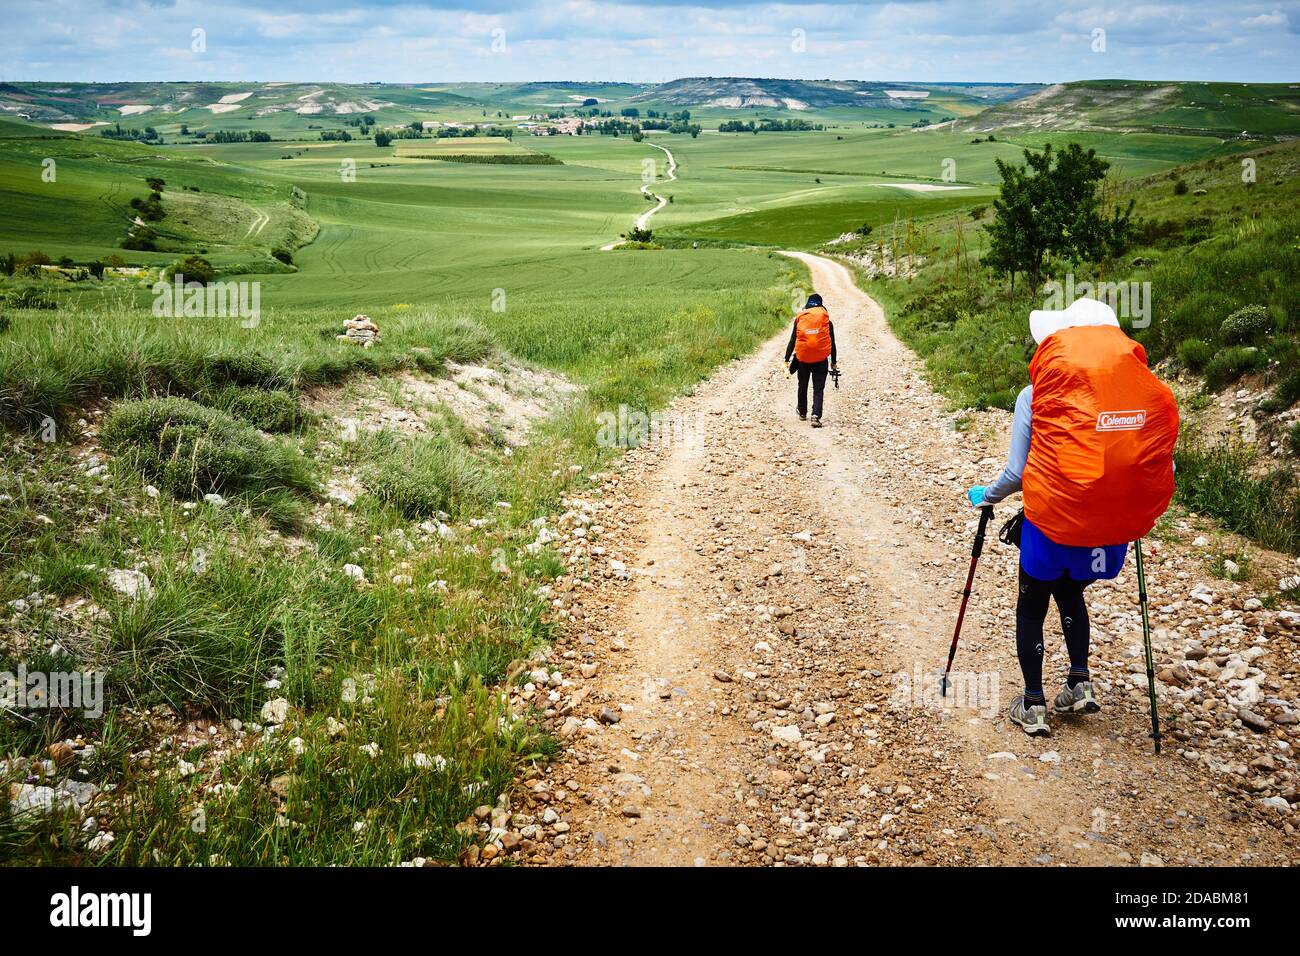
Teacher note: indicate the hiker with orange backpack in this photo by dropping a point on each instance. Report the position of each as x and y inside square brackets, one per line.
[1092, 451]
[812, 343]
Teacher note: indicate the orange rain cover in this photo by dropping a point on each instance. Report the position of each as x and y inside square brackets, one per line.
[1100, 468]
[812, 341]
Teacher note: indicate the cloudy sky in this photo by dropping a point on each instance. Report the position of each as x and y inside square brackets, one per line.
[648, 40]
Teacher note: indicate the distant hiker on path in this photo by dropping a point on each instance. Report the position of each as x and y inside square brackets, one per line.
[1092, 450]
[812, 343]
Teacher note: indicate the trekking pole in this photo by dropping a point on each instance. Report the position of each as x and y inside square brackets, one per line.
[1146, 644]
[986, 512]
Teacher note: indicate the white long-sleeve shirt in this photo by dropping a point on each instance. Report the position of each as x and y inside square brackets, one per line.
[1008, 483]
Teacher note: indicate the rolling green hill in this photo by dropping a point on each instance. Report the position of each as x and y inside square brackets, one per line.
[234, 215]
[300, 110]
[799, 95]
[1254, 110]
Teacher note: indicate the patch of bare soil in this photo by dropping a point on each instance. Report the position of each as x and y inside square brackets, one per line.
[502, 403]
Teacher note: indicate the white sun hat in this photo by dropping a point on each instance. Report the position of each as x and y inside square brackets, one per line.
[1085, 311]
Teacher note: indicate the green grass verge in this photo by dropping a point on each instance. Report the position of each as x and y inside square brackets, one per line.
[1223, 302]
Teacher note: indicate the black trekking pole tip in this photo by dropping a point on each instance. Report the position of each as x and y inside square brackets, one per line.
[943, 686]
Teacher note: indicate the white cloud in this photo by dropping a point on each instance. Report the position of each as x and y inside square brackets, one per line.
[1275, 19]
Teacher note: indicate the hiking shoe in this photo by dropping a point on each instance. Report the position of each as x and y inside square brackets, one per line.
[1080, 699]
[1032, 720]
[816, 421]
[803, 416]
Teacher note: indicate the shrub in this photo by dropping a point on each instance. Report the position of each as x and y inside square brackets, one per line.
[141, 239]
[1194, 354]
[29, 263]
[1180, 188]
[150, 209]
[944, 308]
[421, 476]
[271, 411]
[195, 269]
[29, 297]
[1284, 396]
[1230, 364]
[1219, 481]
[8, 263]
[188, 449]
[1246, 324]
[250, 369]
[96, 269]
[34, 258]
[208, 640]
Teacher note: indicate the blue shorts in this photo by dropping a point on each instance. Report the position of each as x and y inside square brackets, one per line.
[1044, 559]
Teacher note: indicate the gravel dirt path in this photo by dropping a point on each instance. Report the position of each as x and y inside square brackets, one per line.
[756, 622]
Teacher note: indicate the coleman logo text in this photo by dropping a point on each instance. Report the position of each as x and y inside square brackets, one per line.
[1121, 421]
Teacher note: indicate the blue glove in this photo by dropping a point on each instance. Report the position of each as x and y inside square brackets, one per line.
[976, 496]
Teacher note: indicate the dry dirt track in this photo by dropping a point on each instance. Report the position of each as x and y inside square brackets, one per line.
[770, 656]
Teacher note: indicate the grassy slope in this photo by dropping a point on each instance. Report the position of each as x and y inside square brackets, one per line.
[1204, 256]
[85, 213]
[1211, 109]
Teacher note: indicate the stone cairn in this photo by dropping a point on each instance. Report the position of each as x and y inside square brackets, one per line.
[360, 331]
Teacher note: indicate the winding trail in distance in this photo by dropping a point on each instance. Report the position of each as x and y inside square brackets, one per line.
[644, 218]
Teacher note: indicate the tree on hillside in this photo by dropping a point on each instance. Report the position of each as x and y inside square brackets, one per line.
[382, 139]
[195, 269]
[1051, 207]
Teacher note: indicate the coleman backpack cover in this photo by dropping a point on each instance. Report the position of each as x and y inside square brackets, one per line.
[812, 339]
[1100, 467]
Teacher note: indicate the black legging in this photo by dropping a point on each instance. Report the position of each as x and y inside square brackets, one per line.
[817, 372]
[1031, 611]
